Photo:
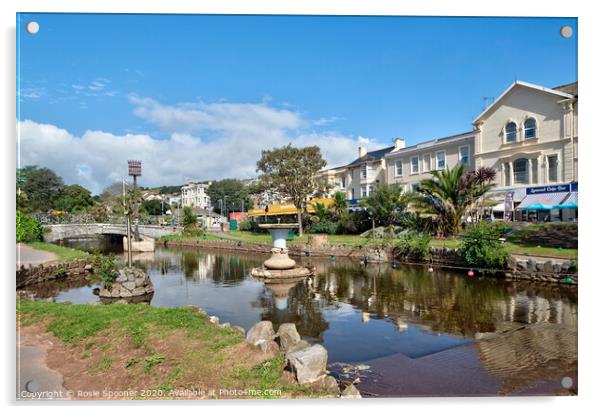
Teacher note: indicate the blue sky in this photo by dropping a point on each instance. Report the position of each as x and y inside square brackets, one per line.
[180, 81]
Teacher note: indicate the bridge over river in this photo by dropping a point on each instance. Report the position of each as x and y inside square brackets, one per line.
[58, 232]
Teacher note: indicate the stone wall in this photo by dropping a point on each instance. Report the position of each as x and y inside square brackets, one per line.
[70, 270]
[293, 250]
[517, 267]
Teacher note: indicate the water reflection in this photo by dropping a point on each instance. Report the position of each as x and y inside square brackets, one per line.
[360, 312]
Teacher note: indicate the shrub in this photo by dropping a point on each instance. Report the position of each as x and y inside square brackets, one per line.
[417, 245]
[192, 230]
[561, 234]
[249, 225]
[481, 246]
[28, 228]
[327, 227]
[355, 222]
[105, 268]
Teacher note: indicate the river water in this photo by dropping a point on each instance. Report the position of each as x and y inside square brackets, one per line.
[401, 330]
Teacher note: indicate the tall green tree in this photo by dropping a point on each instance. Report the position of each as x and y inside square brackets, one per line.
[37, 188]
[386, 204]
[152, 207]
[74, 198]
[232, 193]
[449, 195]
[293, 172]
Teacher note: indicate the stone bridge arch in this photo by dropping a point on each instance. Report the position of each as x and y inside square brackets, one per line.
[56, 232]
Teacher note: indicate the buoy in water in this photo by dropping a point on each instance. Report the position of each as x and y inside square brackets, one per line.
[393, 265]
[431, 270]
[568, 280]
[470, 273]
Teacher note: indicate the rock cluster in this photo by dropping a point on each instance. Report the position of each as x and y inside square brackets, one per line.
[130, 282]
[305, 363]
[556, 271]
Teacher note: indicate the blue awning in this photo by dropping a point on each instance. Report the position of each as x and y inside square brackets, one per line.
[547, 201]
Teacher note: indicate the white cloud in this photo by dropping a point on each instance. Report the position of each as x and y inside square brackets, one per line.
[205, 141]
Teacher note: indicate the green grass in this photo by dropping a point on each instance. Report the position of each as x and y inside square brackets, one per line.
[63, 253]
[515, 248]
[209, 351]
[264, 238]
[356, 240]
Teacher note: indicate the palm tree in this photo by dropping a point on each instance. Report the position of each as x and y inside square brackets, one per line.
[386, 204]
[321, 212]
[340, 203]
[450, 194]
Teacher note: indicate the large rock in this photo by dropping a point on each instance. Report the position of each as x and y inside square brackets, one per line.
[287, 336]
[299, 346]
[351, 392]
[309, 364]
[261, 331]
[268, 347]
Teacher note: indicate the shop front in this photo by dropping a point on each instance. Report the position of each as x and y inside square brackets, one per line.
[549, 203]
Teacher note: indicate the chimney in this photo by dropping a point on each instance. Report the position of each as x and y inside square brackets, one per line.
[362, 151]
[400, 143]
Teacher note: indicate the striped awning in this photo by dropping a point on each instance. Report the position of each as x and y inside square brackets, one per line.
[572, 198]
[549, 199]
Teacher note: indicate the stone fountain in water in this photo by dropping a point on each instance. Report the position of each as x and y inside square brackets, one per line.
[280, 268]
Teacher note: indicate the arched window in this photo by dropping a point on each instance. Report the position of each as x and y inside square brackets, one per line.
[530, 128]
[521, 171]
[510, 132]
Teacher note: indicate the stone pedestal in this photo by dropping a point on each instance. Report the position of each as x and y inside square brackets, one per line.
[279, 267]
[279, 260]
[130, 282]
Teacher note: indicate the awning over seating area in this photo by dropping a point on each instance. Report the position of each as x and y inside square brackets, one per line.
[544, 201]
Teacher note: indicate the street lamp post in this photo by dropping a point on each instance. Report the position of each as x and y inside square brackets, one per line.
[128, 227]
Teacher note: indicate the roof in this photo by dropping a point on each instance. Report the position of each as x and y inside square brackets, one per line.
[571, 88]
[372, 156]
[431, 143]
[526, 85]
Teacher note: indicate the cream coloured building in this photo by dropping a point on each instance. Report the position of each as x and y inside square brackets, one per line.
[195, 195]
[410, 165]
[529, 135]
[361, 176]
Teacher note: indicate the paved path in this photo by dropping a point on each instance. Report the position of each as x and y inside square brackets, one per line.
[30, 256]
[35, 381]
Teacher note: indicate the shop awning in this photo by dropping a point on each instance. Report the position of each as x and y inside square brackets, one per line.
[572, 198]
[546, 201]
[288, 208]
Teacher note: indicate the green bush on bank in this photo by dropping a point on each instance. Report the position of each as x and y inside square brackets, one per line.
[28, 228]
[324, 227]
[105, 268]
[481, 246]
[416, 245]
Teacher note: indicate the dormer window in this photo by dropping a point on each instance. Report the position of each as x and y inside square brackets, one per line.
[530, 128]
[510, 132]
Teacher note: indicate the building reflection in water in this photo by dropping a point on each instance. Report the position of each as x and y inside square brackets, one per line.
[529, 324]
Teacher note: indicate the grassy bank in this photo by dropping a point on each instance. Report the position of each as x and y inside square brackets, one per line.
[355, 240]
[63, 253]
[139, 347]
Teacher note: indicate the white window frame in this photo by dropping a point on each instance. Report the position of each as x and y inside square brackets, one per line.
[398, 168]
[417, 158]
[467, 155]
[525, 128]
[364, 190]
[506, 132]
[444, 159]
[364, 171]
